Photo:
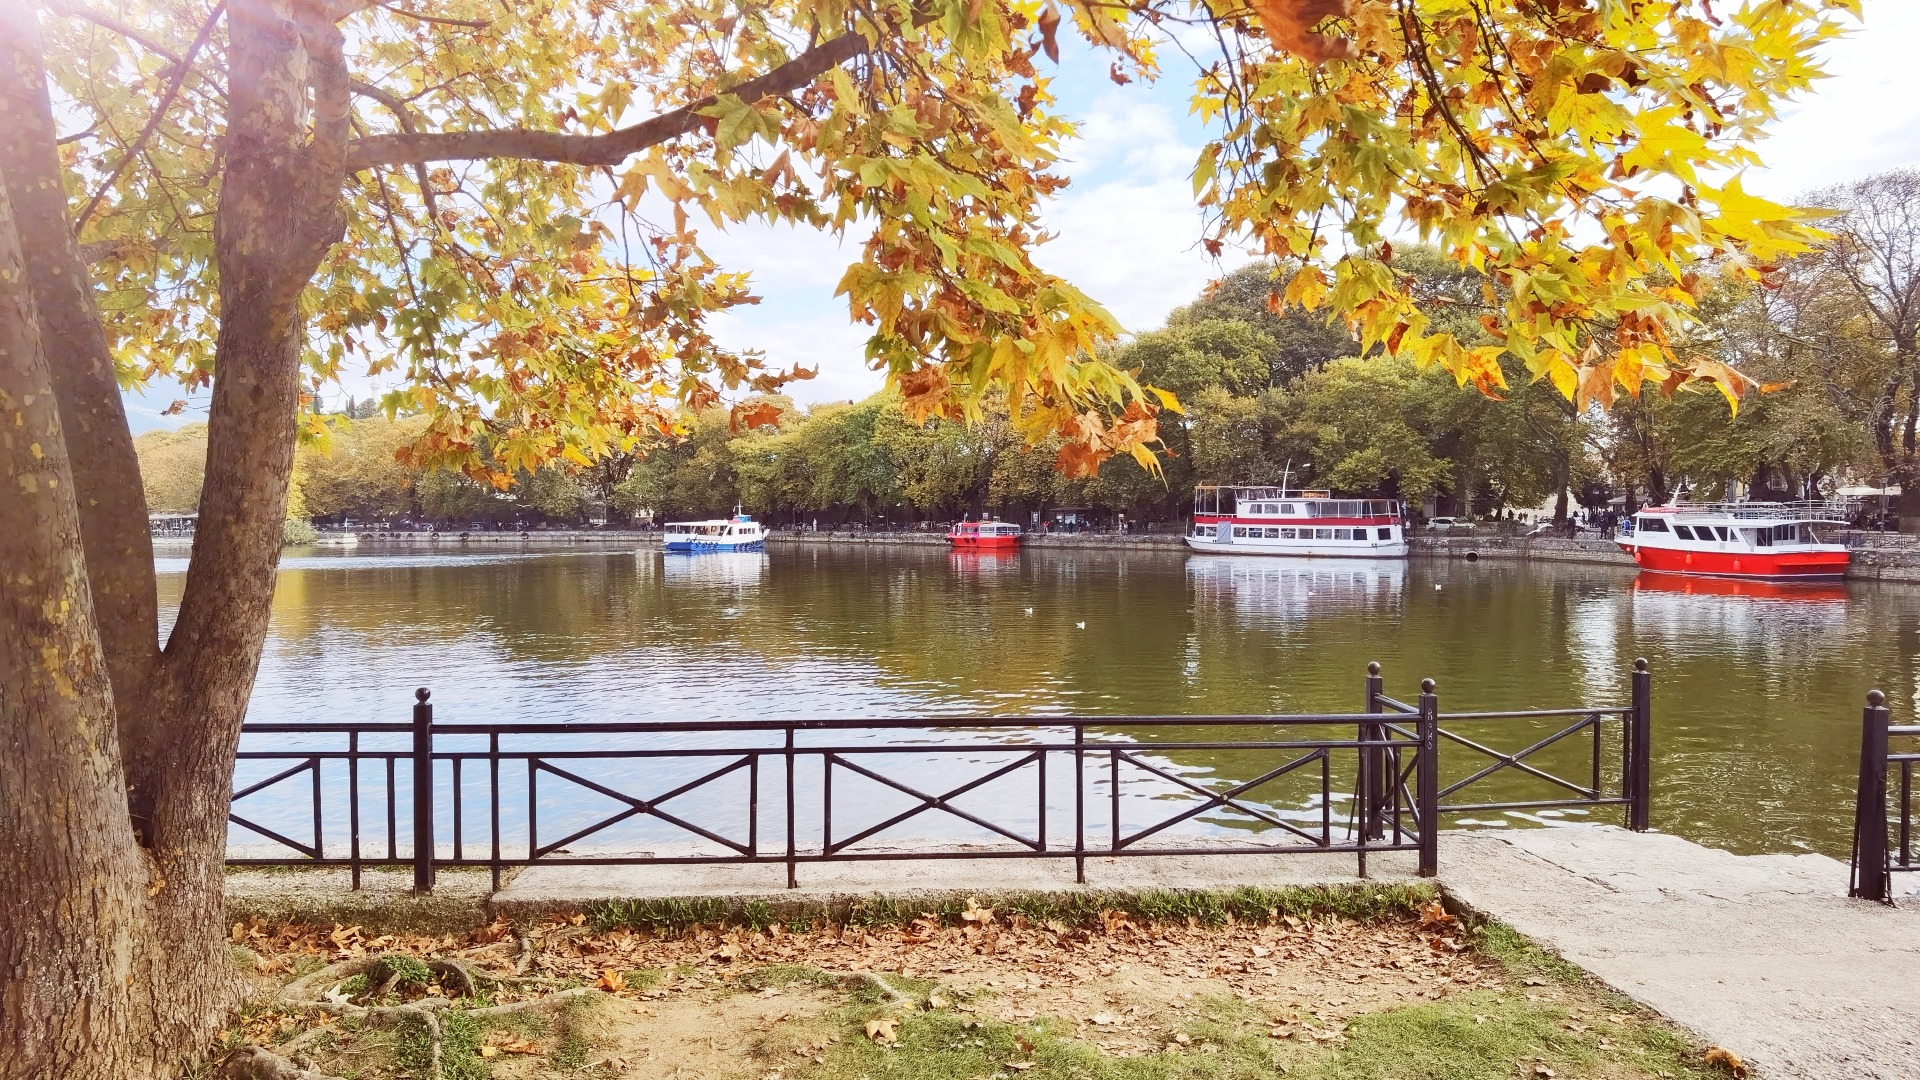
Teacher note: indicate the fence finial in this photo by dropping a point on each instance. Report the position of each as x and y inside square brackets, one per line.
[1639, 663]
[1876, 699]
[421, 695]
[1426, 686]
[1373, 667]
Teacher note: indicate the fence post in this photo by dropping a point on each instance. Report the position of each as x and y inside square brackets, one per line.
[1429, 780]
[1870, 878]
[1372, 761]
[1640, 749]
[423, 791]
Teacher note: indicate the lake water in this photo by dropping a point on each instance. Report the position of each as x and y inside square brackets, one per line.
[1756, 695]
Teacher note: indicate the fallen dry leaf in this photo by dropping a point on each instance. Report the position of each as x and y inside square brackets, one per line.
[1432, 914]
[611, 981]
[1726, 1059]
[979, 916]
[880, 1030]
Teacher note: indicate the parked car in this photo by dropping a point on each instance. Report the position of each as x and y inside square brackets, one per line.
[1447, 524]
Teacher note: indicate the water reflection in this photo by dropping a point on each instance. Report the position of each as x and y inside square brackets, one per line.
[1756, 694]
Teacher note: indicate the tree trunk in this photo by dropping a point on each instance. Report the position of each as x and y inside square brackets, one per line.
[114, 961]
[1560, 491]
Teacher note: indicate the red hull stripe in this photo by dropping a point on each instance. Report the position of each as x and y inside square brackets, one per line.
[984, 542]
[1742, 563]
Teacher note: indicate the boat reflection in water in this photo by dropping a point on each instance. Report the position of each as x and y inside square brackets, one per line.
[1736, 615]
[709, 569]
[1823, 591]
[1279, 587]
[983, 563]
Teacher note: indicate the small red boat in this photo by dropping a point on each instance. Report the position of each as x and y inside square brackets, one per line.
[1778, 541]
[986, 535]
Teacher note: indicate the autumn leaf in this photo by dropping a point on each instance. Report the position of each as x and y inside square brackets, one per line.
[611, 981]
[974, 913]
[1290, 23]
[881, 1031]
[1721, 1057]
[747, 417]
[1433, 913]
[1049, 23]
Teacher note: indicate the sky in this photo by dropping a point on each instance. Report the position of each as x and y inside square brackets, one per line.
[1127, 231]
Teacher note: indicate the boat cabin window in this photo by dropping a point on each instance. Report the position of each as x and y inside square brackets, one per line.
[1683, 532]
[1386, 534]
[1653, 524]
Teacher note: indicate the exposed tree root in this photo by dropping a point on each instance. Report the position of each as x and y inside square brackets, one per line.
[545, 1001]
[260, 1063]
[894, 997]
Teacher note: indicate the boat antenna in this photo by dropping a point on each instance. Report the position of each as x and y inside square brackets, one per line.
[1284, 475]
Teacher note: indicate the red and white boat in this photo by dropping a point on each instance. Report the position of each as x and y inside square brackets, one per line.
[988, 535]
[1780, 541]
[1276, 521]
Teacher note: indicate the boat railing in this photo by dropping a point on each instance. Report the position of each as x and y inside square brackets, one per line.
[1834, 511]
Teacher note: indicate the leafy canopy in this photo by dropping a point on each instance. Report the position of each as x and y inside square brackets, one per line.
[528, 184]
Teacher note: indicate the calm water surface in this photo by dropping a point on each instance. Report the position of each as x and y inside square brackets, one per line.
[1756, 697]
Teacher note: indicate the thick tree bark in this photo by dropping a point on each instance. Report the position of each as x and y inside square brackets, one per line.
[114, 962]
[110, 499]
[73, 973]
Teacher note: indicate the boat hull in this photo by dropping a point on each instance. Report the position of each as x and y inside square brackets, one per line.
[1313, 549]
[690, 546]
[1814, 564]
[984, 543]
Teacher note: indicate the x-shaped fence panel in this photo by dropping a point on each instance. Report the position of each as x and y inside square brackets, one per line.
[637, 807]
[1228, 798]
[942, 802]
[1516, 763]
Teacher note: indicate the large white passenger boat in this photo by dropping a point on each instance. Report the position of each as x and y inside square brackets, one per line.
[737, 533]
[1277, 521]
[1780, 541]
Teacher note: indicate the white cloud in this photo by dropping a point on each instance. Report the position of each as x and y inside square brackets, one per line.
[1863, 118]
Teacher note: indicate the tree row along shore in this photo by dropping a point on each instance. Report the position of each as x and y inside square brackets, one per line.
[1266, 396]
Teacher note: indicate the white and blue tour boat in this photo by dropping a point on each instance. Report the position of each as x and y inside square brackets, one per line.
[737, 533]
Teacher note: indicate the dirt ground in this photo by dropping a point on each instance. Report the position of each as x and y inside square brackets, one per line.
[719, 1002]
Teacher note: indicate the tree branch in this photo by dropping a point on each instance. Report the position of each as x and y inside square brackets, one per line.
[476, 24]
[181, 70]
[609, 148]
[80, 11]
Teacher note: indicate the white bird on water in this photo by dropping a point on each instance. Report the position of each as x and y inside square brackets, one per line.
[1029, 611]
[1080, 625]
[1436, 588]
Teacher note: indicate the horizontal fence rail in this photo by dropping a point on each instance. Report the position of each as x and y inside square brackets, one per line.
[427, 794]
[1883, 841]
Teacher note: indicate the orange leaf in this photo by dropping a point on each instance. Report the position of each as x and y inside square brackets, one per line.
[1290, 23]
[747, 417]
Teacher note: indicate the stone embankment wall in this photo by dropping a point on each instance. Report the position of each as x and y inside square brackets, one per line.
[1535, 549]
[1877, 556]
[1884, 556]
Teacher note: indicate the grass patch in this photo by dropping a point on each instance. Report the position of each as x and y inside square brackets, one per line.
[1208, 907]
[784, 975]
[1517, 955]
[459, 1049]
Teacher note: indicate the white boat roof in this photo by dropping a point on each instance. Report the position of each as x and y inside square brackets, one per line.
[713, 521]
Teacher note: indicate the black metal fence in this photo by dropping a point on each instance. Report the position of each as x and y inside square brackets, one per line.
[516, 794]
[1882, 838]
